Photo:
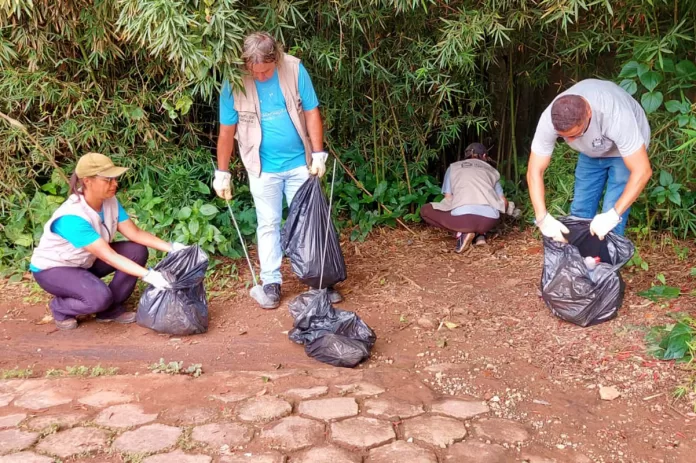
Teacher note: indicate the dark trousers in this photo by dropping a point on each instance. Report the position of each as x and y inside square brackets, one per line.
[80, 291]
[468, 223]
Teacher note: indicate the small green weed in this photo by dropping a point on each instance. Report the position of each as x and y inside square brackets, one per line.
[176, 368]
[82, 371]
[16, 372]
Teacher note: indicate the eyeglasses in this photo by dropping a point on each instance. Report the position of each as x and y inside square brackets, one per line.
[107, 179]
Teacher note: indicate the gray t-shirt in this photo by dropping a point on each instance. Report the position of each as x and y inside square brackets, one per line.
[618, 126]
[483, 210]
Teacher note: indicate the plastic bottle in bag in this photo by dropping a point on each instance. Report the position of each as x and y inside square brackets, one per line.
[591, 263]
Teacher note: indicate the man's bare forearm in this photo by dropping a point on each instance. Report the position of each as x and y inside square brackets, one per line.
[315, 129]
[225, 146]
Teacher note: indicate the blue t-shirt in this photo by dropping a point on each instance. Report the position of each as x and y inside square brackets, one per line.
[483, 210]
[281, 147]
[79, 232]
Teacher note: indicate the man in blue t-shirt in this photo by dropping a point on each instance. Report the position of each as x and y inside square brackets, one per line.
[278, 127]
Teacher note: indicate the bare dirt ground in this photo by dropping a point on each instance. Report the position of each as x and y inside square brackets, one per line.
[469, 326]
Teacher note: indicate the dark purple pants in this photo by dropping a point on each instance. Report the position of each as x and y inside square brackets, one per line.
[80, 291]
[468, 223]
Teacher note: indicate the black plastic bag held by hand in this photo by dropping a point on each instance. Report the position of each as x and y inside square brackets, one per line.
[304, 236]
[183, 309]
[330, 335]
[571, 291]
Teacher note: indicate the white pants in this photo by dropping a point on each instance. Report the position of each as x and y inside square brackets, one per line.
[268, 190]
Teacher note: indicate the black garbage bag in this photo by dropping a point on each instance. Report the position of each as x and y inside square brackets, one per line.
[330, 335]
[304, 236]
[183, 309]
[573, 292]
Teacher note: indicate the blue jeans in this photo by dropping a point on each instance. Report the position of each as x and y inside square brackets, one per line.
[268, 191]
[591, 176]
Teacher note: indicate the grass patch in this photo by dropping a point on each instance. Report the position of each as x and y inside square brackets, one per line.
[16, 373]
[176, 368]
[82, 371]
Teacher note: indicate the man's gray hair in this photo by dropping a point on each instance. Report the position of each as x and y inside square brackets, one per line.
[261, 47]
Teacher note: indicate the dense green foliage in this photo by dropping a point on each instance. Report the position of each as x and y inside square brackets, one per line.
[404, 86]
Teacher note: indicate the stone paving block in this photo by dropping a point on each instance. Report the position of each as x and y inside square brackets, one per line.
[43, 398]
[68, 420]
[5, 399]
[401, 452]
[148, 439]
[73, 442]
[124, 416]
[293, 433]
[360, 389]
[25, 457]
[14, 440]
[263, 409]
[268, 457]
[233, 397]
[183, 415]
[391, 409]
[501, 430]
[10, 421]
[219, 434]
[103, 399]
[329, 409]
[438, 431]
[178, 457]
[461, 409]
[477, 452]
[327, 454]
[307, 393]
[362, 433]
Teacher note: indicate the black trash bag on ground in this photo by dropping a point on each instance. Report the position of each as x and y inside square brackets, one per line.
[304, 234]
[573, 292]
[330, 335]
[182, 310]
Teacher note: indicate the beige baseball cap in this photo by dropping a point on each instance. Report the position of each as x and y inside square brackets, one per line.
[92, 164]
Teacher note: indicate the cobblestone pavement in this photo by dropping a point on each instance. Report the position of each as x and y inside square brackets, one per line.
[296, 416]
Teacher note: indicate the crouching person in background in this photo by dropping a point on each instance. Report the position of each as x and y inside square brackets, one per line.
[473, 200]
[76, 249]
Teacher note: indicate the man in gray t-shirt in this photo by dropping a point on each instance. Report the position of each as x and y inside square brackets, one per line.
[610, 130]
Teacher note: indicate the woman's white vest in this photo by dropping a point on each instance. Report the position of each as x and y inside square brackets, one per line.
[247, 105]
[472, 182]
[55, 251]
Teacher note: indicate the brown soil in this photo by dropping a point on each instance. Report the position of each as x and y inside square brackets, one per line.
[503, 344]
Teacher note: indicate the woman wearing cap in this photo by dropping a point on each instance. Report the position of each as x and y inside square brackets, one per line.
[76, 249]
[473, 199]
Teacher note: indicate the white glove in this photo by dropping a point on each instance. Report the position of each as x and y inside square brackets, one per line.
[156, 279]
[221, 184]
[552, 228]
[512, 210]
[603, 223]
[319, 163]
[177, 246]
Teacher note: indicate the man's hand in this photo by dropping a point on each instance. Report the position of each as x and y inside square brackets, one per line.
[552, 228]
[221, 184]
[156, 279]
[319, 163]
[603, 223]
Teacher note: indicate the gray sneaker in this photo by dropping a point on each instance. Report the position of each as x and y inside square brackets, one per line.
[271, 299]
[67, 324]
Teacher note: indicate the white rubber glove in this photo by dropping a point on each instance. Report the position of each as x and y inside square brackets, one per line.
[319, 163]
[221, 184]
[603, 223]
[552, 228]
[156, 279]
[177, 246]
